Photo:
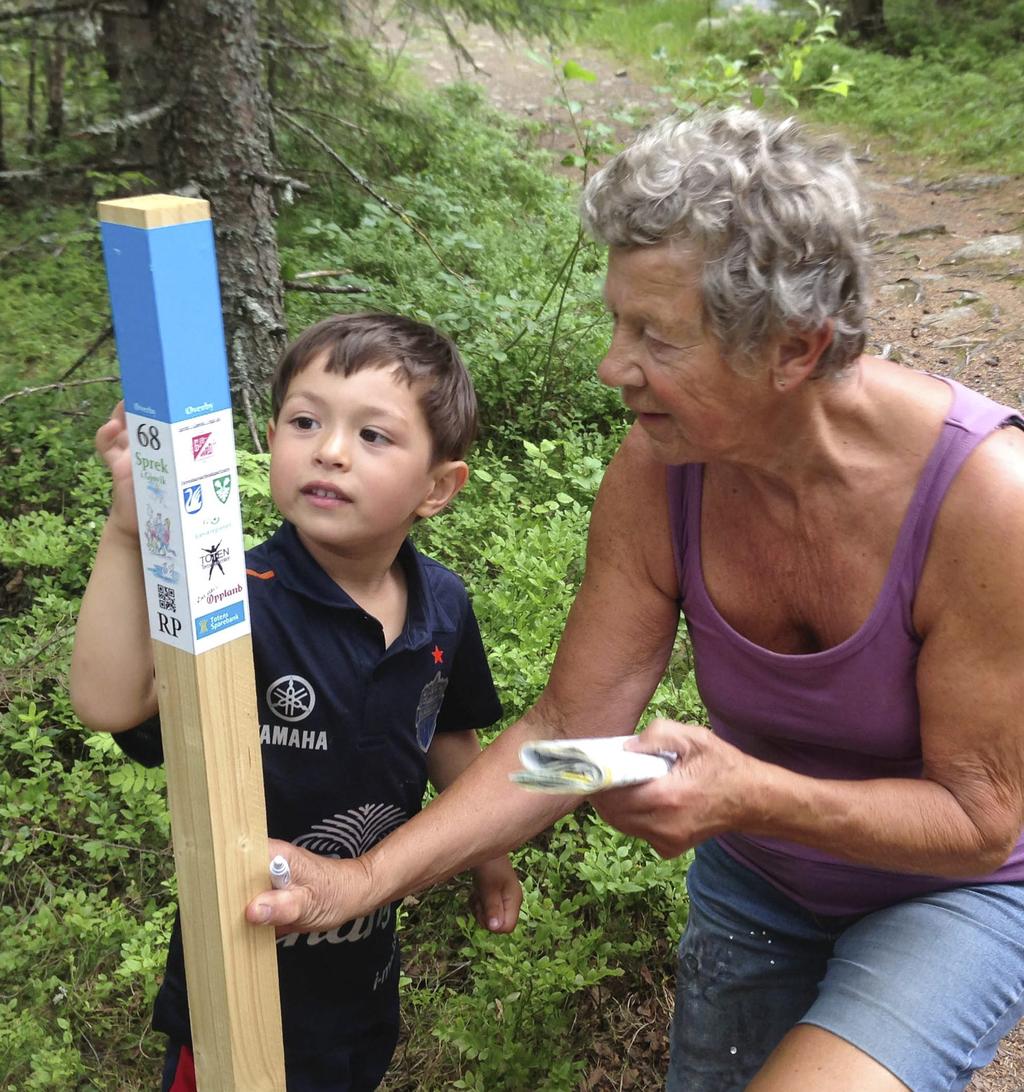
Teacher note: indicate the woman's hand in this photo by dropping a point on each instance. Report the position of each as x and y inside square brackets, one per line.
[324, 893]
[497, 895]
[709, 790]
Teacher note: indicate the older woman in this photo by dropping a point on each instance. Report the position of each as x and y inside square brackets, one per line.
[845, 539]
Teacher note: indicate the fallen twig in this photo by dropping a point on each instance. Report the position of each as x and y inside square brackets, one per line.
[326, 289]
[17, 246]
[283, 41]
[323, 273]
[454, 42]
[250, 419]
[128, 121]
[911, 233]
[59, 386]
[102, 337]
[329, 117]
[8, 675]
[364, 184]
[101, 841]
[30, 173]
[960, 342]
[283, 180]
[46, 9]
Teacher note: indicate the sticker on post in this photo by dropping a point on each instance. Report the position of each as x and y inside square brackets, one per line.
[209, 625]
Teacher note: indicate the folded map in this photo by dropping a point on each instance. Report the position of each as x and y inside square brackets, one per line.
[586, 765]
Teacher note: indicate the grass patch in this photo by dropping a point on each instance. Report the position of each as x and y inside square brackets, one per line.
[635, 31]
[932, 108]
[944, 85]
[54, 302]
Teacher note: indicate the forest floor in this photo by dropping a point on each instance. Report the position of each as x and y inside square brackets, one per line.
[949, 298]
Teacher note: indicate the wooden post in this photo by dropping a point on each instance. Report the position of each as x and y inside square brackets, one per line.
[162, 273]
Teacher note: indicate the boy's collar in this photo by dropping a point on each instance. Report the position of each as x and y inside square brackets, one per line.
[302, 574]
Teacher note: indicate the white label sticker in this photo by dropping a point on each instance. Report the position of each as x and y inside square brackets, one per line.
[211, 523]
[190, 530]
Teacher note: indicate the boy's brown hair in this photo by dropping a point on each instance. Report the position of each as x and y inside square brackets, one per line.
[422, 355]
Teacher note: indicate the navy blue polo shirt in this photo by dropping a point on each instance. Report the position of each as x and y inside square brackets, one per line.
[345, 725]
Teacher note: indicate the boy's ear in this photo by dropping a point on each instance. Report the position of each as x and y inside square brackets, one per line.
[270, 433]
[449, 478]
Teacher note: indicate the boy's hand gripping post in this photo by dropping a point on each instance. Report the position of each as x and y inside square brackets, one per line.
[165, 299]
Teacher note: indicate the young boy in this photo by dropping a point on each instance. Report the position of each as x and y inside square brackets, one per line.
[370, 672]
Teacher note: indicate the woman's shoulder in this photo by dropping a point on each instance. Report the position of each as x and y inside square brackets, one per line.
[629, 527]
[992, 478]
[978, 537]
[913, 394]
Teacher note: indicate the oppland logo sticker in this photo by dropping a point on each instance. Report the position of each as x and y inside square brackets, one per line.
[222, 488]
[193, 498]
[291, 697]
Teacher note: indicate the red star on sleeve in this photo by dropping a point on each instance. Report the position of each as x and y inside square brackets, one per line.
[438, 655]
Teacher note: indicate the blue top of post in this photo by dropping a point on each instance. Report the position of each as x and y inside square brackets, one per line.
[165, 298]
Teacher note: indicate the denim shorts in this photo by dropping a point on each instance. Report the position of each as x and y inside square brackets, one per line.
[926, 987]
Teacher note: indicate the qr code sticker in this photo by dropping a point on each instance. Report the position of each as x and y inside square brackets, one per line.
[165, 597]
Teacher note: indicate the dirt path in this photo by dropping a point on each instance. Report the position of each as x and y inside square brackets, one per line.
[942, 303]
[936, 308]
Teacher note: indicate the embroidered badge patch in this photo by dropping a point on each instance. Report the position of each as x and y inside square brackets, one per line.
[427, 709]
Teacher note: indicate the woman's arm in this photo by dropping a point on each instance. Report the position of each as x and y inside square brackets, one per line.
[497, 895]
[612, 654]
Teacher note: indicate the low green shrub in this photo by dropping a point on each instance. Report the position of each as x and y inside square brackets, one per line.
[942, 83]
[931, 108]
[86, 872]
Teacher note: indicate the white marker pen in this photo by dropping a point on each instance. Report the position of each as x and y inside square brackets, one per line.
[280, 873]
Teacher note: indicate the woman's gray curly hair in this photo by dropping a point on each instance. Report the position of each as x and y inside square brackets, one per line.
[778, 219]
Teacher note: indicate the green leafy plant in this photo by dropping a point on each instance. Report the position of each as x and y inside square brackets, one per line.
[773, 71]
[789, 64]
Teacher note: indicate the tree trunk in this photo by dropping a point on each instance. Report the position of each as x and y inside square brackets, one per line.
[30, 106]
[55, 61]
[863, 19]
[204, 57]
[218, 139]
[3, 153]
[111, 46]
[129, 60]
[272, 23]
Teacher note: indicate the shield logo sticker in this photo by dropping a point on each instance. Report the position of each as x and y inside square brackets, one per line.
[222, 487]
[427, 709]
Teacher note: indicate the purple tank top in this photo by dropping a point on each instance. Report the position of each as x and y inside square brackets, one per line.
[849, 712]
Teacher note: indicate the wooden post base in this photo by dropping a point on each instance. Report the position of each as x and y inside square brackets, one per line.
[215, 788]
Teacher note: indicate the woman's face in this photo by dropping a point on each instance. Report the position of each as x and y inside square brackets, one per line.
[692, 406]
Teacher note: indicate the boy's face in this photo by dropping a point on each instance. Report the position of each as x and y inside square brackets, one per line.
[351, 461]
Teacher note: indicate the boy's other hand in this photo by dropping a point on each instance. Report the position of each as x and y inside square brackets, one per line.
[324, 892]
[497, 895]
[112, 446]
